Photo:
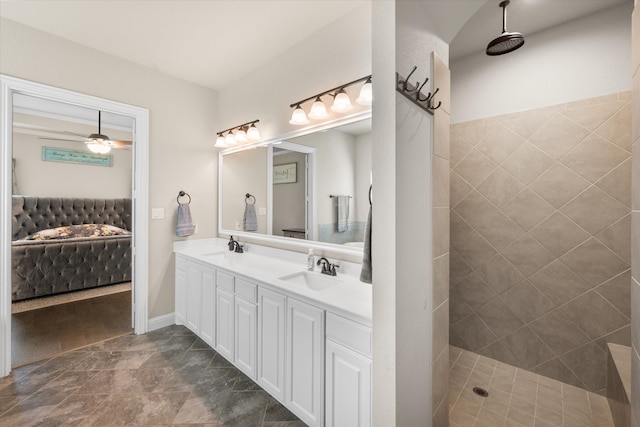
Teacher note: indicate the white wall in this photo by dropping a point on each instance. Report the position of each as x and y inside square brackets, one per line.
[71, 179]
[337, 54]
[182, 132]
[582, 59]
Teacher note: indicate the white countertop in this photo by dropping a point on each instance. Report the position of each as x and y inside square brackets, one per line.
[348, 297]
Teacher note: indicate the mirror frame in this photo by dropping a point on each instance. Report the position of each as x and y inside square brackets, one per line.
[281, 241]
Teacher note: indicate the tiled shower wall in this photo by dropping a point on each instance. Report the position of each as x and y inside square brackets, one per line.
[540, 237]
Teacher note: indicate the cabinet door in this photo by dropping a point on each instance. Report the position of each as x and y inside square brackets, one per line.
[305, 362]
[224, 323]
[271, 342]
[246, 324]
[348, 387]
[208, 310]
[181, 290]
[194, 296]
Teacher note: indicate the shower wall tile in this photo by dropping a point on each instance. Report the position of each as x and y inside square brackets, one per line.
[616, 238]
[618, 292]
[527, 163]
[441, 279]
[540, 236]
[558, 136]
[559, 283]
[594, 157]
[581, 210]
[594, 262]
[475, 167]
[558, 234]
[594, 315]
[500, 187]
[500, 274]
[527, 209]
[616, 129]
[559, 184]
[499, 143]
[593, 116]
[618, 183]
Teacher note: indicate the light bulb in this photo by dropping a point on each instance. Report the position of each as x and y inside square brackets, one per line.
[366, 94]
[341, 103]
[220, 141]
[241, 136]
[98, 147]
[299, 117]
[318, 110]
[253, 133]
[230, 139]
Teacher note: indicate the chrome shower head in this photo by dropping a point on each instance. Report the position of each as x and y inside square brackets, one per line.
[507, 42]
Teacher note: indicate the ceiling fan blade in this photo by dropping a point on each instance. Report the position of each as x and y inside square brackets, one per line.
[120, 144]
[75, 134]
[61, 139]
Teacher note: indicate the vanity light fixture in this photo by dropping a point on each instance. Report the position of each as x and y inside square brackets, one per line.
[341, 102]
[246, 132]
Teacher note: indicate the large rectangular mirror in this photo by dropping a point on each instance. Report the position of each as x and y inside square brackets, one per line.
[313, 187]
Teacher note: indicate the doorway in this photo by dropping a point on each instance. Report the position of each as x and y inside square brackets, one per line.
[9, 87]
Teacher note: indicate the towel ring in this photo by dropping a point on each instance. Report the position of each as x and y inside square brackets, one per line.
[182, 194]
[249, 196]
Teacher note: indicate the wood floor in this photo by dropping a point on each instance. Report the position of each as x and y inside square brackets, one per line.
[46, 332]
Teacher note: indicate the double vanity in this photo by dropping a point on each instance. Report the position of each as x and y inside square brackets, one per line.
[303, 336]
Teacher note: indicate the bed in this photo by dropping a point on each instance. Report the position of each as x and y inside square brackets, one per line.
[63, 245]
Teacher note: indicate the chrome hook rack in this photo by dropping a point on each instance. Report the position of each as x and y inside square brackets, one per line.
[414, 92]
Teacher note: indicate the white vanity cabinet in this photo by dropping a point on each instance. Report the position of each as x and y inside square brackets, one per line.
[246, 327]
[348, 373]
[304, 370]
[271, 341]
[195, 303]
[225, 315]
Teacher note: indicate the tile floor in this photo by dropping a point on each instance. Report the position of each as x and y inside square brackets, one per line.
[45, 332]
[166, 377]
[517, 397]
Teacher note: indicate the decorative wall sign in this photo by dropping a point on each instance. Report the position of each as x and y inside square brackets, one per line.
[285, 174]
[50, 154]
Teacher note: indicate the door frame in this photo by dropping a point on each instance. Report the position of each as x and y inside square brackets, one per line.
[140, 253]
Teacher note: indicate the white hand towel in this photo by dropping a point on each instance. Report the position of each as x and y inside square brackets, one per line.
[184, 226]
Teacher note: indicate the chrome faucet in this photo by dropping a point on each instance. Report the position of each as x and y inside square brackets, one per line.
[235, 246]
[327, 267]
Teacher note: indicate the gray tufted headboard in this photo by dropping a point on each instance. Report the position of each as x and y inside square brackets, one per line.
[32, 214]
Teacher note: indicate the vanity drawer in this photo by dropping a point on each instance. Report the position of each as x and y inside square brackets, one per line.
[348, 333]
[247, 290]
[224, 281]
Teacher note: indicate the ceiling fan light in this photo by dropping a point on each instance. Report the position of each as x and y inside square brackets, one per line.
[318, 110]
[366, 94]
[341, 103]
[241, 136]
[220, 142]
[253, 133]
[299, 117]
[98, 147]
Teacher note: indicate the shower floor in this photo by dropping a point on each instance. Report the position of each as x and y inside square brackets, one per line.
[517, 397]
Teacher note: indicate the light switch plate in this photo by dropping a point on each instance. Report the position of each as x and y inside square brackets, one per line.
[157, 213]
[262, 211]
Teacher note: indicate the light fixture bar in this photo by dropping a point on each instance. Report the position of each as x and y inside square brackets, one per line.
[251, 123]
[335, 89]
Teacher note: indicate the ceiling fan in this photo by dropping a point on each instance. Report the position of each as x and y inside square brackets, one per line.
[96, 142]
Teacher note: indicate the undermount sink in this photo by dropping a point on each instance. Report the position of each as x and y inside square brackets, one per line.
[216, 255]
[311, 280]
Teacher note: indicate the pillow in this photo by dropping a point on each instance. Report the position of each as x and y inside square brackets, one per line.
[82, 230]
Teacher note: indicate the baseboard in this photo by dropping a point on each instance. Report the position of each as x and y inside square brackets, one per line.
[161, 321]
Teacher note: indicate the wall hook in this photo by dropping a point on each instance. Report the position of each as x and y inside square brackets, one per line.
[414, 93]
